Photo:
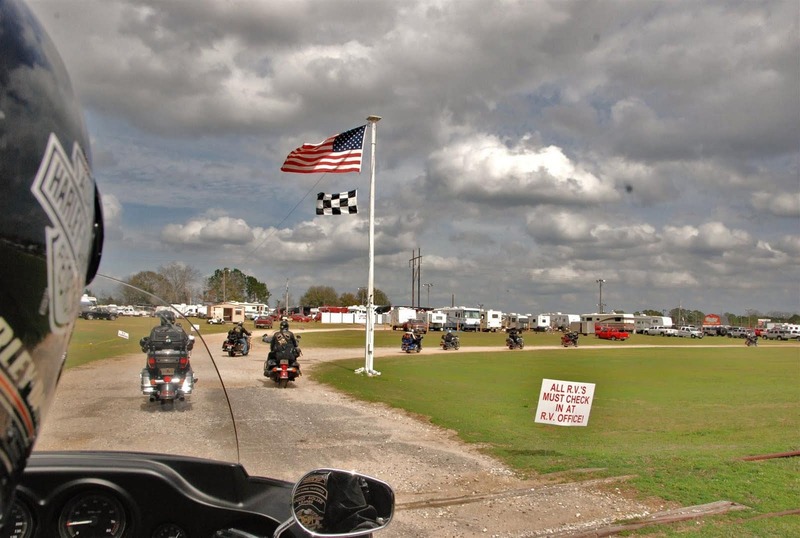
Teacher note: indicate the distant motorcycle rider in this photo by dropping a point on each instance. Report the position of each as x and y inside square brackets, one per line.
[283, 345]
[417, 335]
[407, 339]
[513, 335]
[240, 334]
[448, 336]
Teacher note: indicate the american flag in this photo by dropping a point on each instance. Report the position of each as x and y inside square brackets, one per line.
[336, 154]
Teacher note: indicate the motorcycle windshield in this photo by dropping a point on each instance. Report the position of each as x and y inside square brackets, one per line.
[102, 403]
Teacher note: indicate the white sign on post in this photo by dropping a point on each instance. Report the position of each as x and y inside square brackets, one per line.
[564, 403]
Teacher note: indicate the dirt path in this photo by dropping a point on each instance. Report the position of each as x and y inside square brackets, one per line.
[444, 487]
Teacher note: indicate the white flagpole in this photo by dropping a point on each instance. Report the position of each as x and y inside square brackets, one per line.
[369, 346]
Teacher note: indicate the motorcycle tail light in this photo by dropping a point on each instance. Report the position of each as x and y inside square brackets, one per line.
[151, 362]
[184, 361]
[167, 379]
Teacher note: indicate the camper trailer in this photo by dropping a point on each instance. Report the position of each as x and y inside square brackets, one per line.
[491, 320]
[645, 322]
[589, 322]
[87, 302]
[541, 323]
[401, 314]
[563, 322]
[436, 320]
[521, 322]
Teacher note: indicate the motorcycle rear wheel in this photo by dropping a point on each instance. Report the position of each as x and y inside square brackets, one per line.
[283, 383]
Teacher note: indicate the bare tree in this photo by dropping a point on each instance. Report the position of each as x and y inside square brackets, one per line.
[179, 279]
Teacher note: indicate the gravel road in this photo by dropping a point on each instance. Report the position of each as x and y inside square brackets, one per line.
[444, 487]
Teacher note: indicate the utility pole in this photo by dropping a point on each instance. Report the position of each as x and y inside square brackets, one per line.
[429, 285]
[415, 263]
[286, 301]
[600, 304]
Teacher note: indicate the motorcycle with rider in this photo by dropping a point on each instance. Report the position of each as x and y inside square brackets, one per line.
[237, 341]
[282, 365]
[569, 339]
[514, 339]
[450, 340]
[167, 375]
[411, 342]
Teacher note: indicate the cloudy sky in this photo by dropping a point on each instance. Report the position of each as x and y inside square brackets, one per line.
[527, 148]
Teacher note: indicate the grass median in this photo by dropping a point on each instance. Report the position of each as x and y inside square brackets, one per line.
[679, 419]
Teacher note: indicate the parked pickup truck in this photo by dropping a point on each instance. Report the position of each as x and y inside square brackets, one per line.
[689, 331]
[659, 331]
[610, 333]
[415, 325]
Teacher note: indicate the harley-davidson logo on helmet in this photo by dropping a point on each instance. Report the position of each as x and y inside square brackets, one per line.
[65, 190]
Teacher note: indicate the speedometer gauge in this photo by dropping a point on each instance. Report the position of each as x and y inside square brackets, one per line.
[19, 523]
[92, 515]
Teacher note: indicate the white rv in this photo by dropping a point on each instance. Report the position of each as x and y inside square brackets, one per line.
[491, 320]
[436, 320]
[462, 318]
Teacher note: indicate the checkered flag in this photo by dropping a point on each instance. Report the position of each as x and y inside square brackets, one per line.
[342, 203]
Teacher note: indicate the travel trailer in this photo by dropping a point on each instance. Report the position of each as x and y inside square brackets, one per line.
[491, 320]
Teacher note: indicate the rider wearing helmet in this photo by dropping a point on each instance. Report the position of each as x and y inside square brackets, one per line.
[283, 344]
[167, 317]
[50, 231]
[240, 333]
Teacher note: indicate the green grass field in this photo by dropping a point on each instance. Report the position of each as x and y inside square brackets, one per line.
[679, 419]
[99, 339]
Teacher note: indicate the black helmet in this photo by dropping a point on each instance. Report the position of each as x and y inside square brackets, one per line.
[284, 325]
[167, 317]
[50, 229]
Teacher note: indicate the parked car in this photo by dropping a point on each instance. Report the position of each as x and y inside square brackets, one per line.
[611, 333]
[215, 321]
[301, 318]
[773, 334]
[415, 325]
[715, 330]
[738, 332]
[263, 322]
[689, 331]
[100, 312]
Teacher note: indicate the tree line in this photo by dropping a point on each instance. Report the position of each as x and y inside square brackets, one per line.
[180, 283]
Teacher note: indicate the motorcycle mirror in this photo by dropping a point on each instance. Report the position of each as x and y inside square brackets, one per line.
[331, 502]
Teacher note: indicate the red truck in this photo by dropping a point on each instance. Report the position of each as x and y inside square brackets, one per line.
[611, 333]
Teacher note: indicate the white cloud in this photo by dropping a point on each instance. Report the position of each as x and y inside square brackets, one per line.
[208, 232]
[482, 167]
[780, 203]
